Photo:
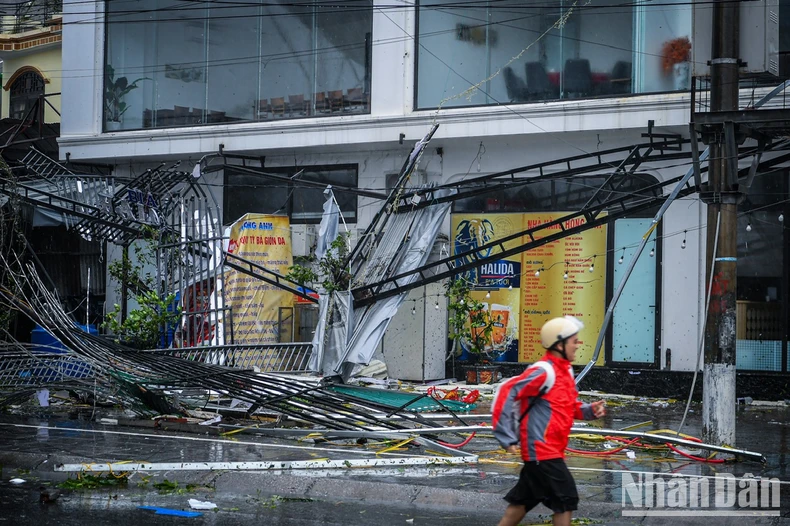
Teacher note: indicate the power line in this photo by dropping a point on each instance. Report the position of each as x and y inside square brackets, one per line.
[315, 52]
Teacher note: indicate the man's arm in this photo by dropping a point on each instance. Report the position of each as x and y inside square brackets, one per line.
[589, 411]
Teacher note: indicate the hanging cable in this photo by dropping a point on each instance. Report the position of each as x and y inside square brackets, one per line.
[704, 323]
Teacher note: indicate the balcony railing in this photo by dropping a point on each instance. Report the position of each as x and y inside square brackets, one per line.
[29, 16]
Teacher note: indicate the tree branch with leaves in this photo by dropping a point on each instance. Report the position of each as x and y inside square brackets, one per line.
[143, 327]
[469, 322]
[327, 274]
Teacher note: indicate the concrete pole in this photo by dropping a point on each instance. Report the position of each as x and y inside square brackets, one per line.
[718, 390]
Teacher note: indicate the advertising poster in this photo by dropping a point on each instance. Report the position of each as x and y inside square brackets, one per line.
[266, 241]
[497, 285]
[522, 292]
[548, 293]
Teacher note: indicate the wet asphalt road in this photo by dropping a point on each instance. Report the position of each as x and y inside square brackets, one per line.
[20, 506]
[460, 495]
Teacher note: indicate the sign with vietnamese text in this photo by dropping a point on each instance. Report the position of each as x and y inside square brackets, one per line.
[266, 241]
[521, 292]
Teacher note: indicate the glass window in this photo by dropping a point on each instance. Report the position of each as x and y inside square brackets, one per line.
[567, 194]
[171, 63]
[23, 94]
[252, 193]
[784, 38]
[562, 51]
[762, 277]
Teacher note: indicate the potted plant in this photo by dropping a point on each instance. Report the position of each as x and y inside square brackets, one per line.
[114, 92]
[471, 328]
[675, 56]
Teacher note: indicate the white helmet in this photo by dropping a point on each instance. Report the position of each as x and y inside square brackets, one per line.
[559, 329]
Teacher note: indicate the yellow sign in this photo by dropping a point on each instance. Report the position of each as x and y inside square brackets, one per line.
[571, 279]
[521, 292]
[266, 241]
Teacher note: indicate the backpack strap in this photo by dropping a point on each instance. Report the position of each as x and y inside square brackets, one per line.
[548, 383]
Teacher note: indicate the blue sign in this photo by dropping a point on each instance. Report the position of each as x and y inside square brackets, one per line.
[499, 274]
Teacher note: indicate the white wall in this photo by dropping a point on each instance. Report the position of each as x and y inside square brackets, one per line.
[83, 73]
[475, 141]
[392, 75]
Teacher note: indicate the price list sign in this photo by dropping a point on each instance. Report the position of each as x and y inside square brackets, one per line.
[565, 277]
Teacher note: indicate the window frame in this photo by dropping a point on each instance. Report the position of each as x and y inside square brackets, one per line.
[24, 97]
[345, 104]
[293, 190]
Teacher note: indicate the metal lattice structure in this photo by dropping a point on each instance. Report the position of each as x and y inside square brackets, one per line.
[282, 357]
[164, 205]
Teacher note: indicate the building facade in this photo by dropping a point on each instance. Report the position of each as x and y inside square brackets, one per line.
[343, 91]
[30, 41]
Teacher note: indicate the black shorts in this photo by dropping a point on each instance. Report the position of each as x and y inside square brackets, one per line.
[548, 482]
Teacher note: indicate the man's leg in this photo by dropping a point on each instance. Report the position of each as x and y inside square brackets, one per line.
[513, 515]
[561, 519]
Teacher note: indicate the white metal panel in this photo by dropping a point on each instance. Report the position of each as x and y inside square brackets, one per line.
[759, 37]
[410, 351]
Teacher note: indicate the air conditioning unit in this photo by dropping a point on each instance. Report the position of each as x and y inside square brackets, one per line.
[418, 178]
[303, 240]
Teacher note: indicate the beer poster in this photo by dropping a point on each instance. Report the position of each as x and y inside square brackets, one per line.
[497, 284]
[266, 241]
[523, 291]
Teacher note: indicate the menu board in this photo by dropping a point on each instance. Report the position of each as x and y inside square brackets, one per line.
[550, 294]
[522, 292]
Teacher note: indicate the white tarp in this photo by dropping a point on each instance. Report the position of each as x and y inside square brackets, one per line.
[345, 338]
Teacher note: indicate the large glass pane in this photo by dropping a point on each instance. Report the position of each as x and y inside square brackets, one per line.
[510, 51]
[155, 63]
[180, 63]
[251, 193]
[784, 38]
[659, 29]
[127, 100]
[453, 54]
[597, 52]
[198, 63]
[233, 42]
[637, 304]
[287, 59]
[308, 202]
[245, 193]
[761, 324]
[342, 58]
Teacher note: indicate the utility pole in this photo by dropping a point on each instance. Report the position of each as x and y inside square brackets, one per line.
[718, 390]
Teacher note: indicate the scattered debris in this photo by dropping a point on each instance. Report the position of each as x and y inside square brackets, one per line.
[48, 495]
[201, 504]
[170, 511]
[83, 482]
[43, 397]
[216, 420]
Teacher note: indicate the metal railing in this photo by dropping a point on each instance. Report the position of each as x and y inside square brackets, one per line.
[20, 369]
[280, 357]
[32, 15]
[751, 90]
